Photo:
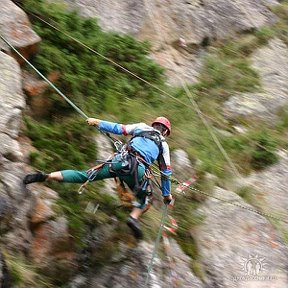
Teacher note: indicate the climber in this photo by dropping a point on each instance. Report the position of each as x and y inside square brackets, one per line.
[131, 165]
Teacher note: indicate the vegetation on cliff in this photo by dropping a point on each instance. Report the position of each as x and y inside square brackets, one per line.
[103, 90]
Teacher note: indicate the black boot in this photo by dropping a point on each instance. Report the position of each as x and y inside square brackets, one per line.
[35, 177]
[135, 227]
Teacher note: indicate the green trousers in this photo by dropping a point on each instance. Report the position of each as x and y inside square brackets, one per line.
[115, 169]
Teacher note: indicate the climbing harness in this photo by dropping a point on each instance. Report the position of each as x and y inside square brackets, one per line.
[153, 135]
[130, 162]
[92, 173]
[200, 113]
[118, 144]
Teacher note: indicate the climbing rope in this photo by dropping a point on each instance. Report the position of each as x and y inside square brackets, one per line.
[138, 77]
[200, 113]
[161, 35]
[106, 58]
[157, 243]
[231, 202]
[116, 142]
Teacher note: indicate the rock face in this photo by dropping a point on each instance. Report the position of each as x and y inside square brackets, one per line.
[14, 197]
[192, 20]
[182, 167]
[119, 16]
[52, 249]
[234, 244]
[16, 28]
[4, 274]
[177, 29]
[239, 248]
[104, 152]
[271, 62]
[12, 99]
[28, 223]
[130, 270]
[273, 186]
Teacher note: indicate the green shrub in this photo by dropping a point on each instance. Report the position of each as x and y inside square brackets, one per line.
[264, 34]
[222, 76]
[281, 27]
[103, 89]
[65, 144]
[24, 274]
[264, 153]
[84, 76]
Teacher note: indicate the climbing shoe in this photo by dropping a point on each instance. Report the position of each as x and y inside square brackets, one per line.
[35, 177]
[134, 225]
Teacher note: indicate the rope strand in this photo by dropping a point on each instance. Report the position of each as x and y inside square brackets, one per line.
[157, 243]
[116, 142]
[195, 190]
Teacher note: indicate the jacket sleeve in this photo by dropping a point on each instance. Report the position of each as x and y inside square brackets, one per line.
[119, 129]
[166, 171]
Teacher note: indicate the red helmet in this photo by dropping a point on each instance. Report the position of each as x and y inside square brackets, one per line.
[164, 121]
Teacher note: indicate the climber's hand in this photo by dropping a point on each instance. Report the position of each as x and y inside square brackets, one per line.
[93, 121]
[167, 199]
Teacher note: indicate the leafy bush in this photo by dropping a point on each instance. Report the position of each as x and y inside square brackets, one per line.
[24, 274]
[101, 88]
[84, 76]
[63, 145]
[281, 27]
[264, 153]
[264, 34]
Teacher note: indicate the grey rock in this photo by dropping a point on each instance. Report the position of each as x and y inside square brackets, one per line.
[6, 210]
[5, 278]
[11, 97]
[273, 185]
[180, 268]
[119, 16]
[5, 207]
[15, 205]
[271, 63]
[101, 234]
[182, 166]
[181, 66]
[131, 270]
[10, 148]
[104, 152]
[11, 177]
[18, 240]
[191, 20]
[15, 27]
[236, 245]
[177, 29]
[78, 282]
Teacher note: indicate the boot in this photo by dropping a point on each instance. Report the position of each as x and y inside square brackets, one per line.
[134, 225]
[35, 177]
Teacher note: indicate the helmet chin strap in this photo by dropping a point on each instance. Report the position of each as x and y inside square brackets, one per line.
[164, 133]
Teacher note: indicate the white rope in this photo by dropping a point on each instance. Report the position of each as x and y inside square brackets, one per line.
[189, 95]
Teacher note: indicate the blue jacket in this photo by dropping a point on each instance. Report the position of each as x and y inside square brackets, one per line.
[147, 148]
